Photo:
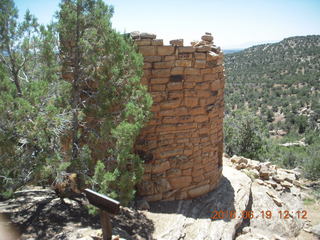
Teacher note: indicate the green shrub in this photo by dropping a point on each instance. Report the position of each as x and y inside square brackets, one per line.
[245, 135]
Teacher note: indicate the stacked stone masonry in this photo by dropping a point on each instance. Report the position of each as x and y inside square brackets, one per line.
[182, 144]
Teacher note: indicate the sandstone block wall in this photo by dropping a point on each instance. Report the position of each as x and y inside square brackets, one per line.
[182, 145]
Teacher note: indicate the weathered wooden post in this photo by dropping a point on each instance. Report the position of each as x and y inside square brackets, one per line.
[107, 206]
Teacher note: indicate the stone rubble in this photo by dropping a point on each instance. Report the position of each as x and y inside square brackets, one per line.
[269, 174]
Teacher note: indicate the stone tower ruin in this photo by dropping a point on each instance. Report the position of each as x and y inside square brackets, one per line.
[182, 144]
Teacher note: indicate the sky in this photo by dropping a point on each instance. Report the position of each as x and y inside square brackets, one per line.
[233, 23]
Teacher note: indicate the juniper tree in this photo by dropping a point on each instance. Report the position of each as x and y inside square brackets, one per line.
[109, 103]
[31, 115]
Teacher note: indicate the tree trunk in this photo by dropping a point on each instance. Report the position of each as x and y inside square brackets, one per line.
[76, 93]
[17, 83]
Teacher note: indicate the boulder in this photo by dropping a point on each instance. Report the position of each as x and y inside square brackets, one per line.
[190, 219]
[241, 166]
[286, 184]
[135, 35]
[286, 175]
[237, 160]
[208, 38]
[145, 35]
[278, 178]
[264, 172]
[253, 164]
[263, 199]
[316, 230]
[177, 42]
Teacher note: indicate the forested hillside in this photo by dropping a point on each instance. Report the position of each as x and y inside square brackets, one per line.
[279, 84]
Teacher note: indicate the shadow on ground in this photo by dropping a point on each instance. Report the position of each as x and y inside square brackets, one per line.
[219, 201]
[39, 214]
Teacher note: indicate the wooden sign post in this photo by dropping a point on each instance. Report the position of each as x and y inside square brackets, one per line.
[107, 206]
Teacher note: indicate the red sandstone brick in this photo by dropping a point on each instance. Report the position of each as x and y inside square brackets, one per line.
[166, 128]
[185, 118]
[169, 58]
[155, 108]
[158, 87]
[188, 49]
[185, 164]
[146, 177]
[173, 172]
[152, 58]
[197, 172]
[193, 78]
[165, 50]
[184, 126]
[192, 71]
[204, 93]
[157, 42]
[161, 73]
[205, 139]
[170, 104]
[187, 152]
[217, 69]
[220, 62]
[195, 134]
[175, 94]
[164, 137]
[180, 182]
[202, 85]
[200, 64]
[185, 56]
[203, 102]
[149, 129]
[197, 158]
[182, 140]
[205, 71]
[146, 73]
[189, 85]
[197, 110]
[167, 64]
[190, 93]
[183, 135]
[195, 140]
[203, 48]
[157, 96]
[159, 80]
[183, 63]
[143, 42]
[198, 179]
[177, 70]
[170, 120]
[147, 50]
[191, 101]
[198, 191]
[153, 122]
[211, 100]
[170, 153]
[147, 65]
[215, 85]
[167, 112]
[201, 118]
[211, 77]
[187, 172]
[174, 86]
[200, 56]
